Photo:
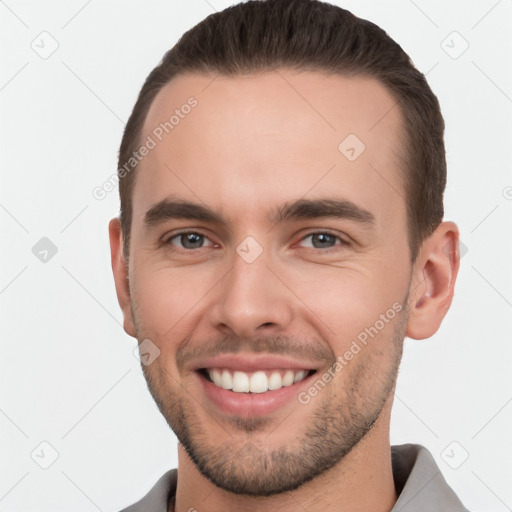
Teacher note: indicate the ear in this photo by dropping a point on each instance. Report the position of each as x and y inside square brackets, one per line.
[433, 281]
[120, 269]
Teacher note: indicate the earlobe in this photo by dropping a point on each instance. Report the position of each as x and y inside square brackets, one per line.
[120, 270]
[432, 287]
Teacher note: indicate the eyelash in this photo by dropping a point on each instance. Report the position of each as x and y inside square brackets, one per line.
[343, 243]
[168, 241]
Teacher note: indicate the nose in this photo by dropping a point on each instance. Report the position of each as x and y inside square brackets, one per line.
[251, 301]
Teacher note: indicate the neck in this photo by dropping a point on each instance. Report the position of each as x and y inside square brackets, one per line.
[361, 481]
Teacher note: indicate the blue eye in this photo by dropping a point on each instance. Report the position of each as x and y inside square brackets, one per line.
[189, 240]
[322, 240]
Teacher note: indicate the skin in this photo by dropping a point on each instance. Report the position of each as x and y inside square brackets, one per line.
[252, 144]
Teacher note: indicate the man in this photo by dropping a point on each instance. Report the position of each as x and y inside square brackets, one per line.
[281, 232]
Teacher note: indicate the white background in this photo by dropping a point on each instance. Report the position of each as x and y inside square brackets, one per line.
[68, 375]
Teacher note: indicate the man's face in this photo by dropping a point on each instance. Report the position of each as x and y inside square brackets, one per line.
[289, 248]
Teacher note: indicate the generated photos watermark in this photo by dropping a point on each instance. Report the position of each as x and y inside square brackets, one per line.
[157, 135]
[361, 340]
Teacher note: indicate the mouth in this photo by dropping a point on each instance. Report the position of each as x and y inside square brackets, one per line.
[261, 381]
[251, 386]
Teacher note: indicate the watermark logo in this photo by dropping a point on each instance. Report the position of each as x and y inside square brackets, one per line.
[455, 455]
[454, 45]
[44, 455]
[249, 249]
[146, 352]
[44, 250]
[45, 45]
[351, 147]
[448, 250]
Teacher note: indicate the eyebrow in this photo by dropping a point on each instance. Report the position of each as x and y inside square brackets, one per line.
[302, 209]
[168, 209]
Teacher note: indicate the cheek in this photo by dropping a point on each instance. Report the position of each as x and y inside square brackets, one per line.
[166, 301]
[345, 303]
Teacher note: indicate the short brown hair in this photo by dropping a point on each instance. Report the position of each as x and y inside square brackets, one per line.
[308, 35]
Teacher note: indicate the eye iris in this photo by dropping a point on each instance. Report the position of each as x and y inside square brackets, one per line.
[191, 240]
[323, 240]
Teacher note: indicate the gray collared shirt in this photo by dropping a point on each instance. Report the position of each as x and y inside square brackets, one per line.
[419, 484]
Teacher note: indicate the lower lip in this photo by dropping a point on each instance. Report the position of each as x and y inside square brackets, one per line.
[251, 405]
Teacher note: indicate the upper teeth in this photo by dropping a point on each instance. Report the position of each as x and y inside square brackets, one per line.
[257, 382]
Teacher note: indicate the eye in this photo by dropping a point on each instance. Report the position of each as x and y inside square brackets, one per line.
[189, 240]
[321, 240]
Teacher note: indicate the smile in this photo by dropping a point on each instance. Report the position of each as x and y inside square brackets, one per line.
[259, 381]
[248, 385]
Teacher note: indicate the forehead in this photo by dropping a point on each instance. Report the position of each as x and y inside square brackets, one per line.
[253, 141]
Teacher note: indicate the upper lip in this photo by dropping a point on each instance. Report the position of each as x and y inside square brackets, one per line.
[253, 362]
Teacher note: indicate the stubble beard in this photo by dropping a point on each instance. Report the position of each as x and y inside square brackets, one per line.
[330, 433]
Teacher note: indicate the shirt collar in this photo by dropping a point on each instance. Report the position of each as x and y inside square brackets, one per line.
[419, 482]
